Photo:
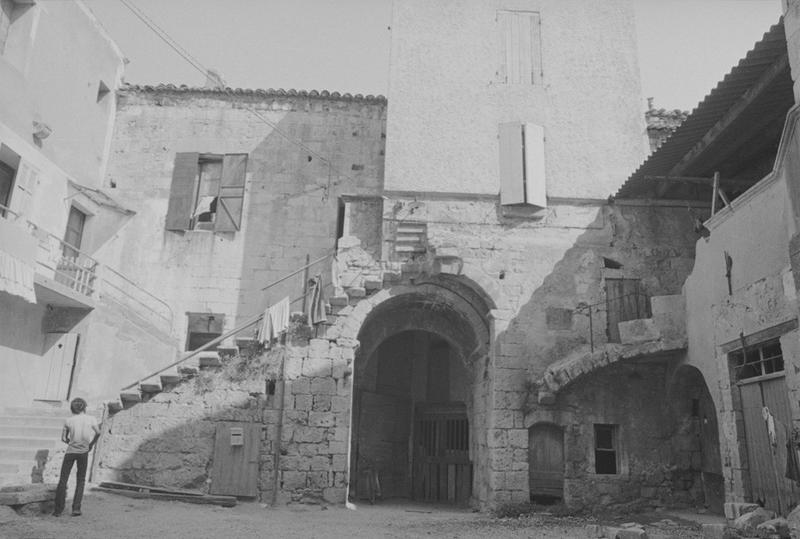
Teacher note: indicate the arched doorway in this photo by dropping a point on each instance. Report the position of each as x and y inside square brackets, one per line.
[546, 462]
[416, 382]
[697, 468]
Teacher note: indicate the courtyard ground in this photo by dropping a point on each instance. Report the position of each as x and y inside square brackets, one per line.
[108, 515]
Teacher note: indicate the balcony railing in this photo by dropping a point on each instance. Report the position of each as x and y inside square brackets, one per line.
[69, 266]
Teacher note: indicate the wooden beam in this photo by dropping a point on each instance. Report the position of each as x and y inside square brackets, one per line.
[714, 190]
[702, 180]
[763, 82]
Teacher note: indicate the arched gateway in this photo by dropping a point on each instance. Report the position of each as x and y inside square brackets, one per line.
[418, 380]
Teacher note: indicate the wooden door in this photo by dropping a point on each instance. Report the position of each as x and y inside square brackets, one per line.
[442, 471]
[546, 461]
[58, 360]
[625, 300]
[235, 468]
[767, 461]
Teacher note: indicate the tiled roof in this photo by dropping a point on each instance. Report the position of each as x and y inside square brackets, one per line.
[324, 94]
[761, 121]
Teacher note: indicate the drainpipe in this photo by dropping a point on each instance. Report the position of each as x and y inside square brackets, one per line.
[276, 449]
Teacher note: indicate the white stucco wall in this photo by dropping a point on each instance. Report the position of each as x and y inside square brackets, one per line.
[445, 101]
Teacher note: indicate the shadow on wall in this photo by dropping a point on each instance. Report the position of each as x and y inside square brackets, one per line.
[216, 431]
[613, 449]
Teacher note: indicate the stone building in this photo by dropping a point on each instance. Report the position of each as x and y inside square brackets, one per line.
[474, 282]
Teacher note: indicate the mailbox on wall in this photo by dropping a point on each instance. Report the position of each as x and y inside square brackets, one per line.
[237, 436]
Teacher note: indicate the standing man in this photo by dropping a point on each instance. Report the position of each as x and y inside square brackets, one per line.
[80, 433]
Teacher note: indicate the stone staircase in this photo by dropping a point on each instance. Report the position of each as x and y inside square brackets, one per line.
[167, 379]
[28, 438]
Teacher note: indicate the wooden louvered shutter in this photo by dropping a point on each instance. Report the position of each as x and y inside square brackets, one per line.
[535, 184]
[512, 187]
[183, 191]
[231, 193]
[520, 47]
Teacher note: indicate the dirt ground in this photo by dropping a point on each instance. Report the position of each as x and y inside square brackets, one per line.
[108, 515]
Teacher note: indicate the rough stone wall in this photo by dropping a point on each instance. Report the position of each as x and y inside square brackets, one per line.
[538, 267]
[169, 440]
[291, 195]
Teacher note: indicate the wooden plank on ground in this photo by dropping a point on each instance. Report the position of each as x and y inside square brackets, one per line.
[224, 501]
[149, 488]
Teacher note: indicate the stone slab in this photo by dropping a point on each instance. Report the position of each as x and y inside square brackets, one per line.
[20, 495]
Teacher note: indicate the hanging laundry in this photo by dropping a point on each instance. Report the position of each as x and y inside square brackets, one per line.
[274, 322]
[316, 307]
[335, 281]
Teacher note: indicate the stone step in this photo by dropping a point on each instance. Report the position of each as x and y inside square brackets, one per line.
[44, 410]
[409, 248]
[151, 385]
[32, 421]
[22, 453]
[408, 238]
[411, 228]
[24, 442]
[170, 377]
[208, 360]
[130, 398]
[53, 433]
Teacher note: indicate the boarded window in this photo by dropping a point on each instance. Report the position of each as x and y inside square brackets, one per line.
[203, 328]
[522, 167]
[605, 449]
[207, 192]
[520, 47]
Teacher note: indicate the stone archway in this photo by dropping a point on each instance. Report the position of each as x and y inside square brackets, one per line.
[416, 383]
[695, 439]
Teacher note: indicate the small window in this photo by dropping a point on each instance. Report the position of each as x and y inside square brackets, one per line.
[6, 184]
[522, 168]
[207, 192]
[605, 449]
[202, 329]
[520, 47]
[760, 359]
[73, 237]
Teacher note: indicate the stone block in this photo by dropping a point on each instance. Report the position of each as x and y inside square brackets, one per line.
[319, 366]
[776, 527]
[713, 531]
[323, 386]
[334, 495]
[734, 510]
[748, 522]
[373, 283]
[24, 494]
[636, 331]
[321, 419]
[303, 402]
[356, 292]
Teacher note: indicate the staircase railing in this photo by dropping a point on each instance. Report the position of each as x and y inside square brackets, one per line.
[238, 329]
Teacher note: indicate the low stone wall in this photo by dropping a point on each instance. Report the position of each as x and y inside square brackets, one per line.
[169, 440]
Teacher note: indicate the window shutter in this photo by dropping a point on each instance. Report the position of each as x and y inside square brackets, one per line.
[520, 47]
[512, 187]
[182, 192]
[535, 184]
[231, 193]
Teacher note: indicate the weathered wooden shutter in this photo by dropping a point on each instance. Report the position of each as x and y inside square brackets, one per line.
[183, 191]
[520, 46]
[512, 187]
[231, 193]
[535, 184]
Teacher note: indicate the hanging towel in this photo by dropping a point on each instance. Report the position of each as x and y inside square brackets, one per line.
[265, 329]
[316, 307]
[279, 317]
[773, 438]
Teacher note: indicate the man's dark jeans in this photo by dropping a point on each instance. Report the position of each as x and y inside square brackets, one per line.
[66, 467]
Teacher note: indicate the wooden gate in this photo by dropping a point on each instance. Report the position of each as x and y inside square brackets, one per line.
[546, 461]
[767, 460]
[625, 300]
[58, 359]
[442, 469]
[235, 469]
